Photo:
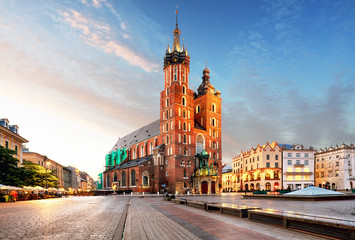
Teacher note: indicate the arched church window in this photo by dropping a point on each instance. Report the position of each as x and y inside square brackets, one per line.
[108, 181]
[133, 177]
[184, 126]
[167, 102]
[213, 122]
[175, 73]
[185, 139]
[213, 107]
[185, 173]
[183, 90]
[142, 151]
[200, 143]
[198, 108]
[184, 101]
[124, 182]
[184, 113]
[145, 181]
[167, 127]
[184, 75]
[167, 91]
[167, 139]
[167, 114]
[115, 177]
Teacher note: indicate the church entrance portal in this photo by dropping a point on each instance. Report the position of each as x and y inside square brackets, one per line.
[213, 187]
[204, 187]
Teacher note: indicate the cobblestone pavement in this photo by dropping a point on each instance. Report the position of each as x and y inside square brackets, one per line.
[148, 218]
[63, 218]
[344, 209]
[152, 218]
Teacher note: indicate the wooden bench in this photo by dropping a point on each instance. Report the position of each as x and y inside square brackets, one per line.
[236, 210]
[196, 204]
[323, 225]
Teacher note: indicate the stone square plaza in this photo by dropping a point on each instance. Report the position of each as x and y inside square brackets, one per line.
[150, 217]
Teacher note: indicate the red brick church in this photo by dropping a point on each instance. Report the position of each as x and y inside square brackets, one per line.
[181, 151]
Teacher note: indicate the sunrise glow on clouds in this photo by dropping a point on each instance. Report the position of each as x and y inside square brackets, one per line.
[75, 76]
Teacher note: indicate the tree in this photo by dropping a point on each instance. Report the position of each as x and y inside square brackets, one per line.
[10, 174]
[35, 175]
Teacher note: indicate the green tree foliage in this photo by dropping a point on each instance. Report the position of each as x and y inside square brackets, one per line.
[36, 175]
[10, 174]
[30, 174]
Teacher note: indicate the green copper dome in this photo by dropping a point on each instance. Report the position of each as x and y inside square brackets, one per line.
[204, 153]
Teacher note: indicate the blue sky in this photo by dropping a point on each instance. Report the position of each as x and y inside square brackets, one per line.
[76, 75]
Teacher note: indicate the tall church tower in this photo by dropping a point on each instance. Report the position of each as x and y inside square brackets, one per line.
[177, 116]
[208, 112]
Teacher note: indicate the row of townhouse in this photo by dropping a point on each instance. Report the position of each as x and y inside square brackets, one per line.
[69, 178]
[283, 166]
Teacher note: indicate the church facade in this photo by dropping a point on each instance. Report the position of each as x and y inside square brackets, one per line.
[182, 150]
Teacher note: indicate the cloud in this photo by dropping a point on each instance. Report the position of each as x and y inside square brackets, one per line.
[282, 88]
[99, 35]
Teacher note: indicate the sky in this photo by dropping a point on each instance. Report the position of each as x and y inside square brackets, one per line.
[77, 75]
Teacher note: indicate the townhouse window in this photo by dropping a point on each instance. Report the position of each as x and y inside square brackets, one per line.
[298, 155]
[289, 162]
[289, 154]
[268, 157]
[267, 164]
[276, 165]
[276, 157]
[298, 162]
[306, 162]
[306, 155]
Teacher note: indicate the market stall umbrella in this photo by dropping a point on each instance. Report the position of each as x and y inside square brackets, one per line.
[52, 189]
[27, 188]
[38, 188]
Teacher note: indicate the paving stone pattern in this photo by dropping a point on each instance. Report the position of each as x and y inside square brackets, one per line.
[344, 209]
[144, 222]
[203, 224]
[65, 218]
[148, 218]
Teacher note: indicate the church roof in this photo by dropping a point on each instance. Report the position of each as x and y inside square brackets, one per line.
[313, 191]
[133, 163]
[144, 133]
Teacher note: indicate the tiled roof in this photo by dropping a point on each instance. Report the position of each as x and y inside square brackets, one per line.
[133, 163]
[146, 132]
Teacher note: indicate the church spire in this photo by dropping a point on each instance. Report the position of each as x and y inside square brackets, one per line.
[176, 32]
[178, 53]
